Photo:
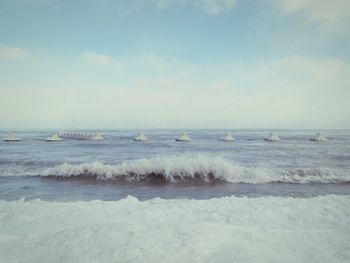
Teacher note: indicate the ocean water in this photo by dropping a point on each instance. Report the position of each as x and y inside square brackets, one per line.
[164, 201]
[200, 169]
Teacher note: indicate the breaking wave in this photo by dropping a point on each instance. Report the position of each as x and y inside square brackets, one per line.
[204, 169]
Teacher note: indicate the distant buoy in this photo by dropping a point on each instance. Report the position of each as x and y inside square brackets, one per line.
[273, 137]
[12, 138]
[227, 138]
[97, 137]
[53, 138]
[183, 138]
[319, 138]
[140, 138]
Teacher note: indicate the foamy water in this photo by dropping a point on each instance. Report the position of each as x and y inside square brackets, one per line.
[227, 229]
[205, 200]
[204, 168]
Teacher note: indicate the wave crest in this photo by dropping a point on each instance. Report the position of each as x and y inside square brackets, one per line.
[170, 169]
[205, 169]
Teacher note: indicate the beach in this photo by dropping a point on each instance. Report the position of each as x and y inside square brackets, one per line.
[117, 200]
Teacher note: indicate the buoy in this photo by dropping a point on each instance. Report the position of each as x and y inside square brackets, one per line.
[140, 138]
[12, 138]
[53, 138]
[183, 138]
[273, 137]
[227, 138]
[319, 138]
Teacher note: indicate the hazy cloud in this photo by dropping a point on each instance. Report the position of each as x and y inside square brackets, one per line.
[212, 7]
[215, 7]
[95, 58]
[292, 92]
[13, 53]
[319, 10]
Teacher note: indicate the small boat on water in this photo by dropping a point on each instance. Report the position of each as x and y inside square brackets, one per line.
[140, 138]
[12, 138]
[319, 138]
[183, 138]
[273, 137]
[53, 138]
[227, 138]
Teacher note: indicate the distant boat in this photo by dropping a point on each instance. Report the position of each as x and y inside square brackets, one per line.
[228, 137]
[53, 138]
[273, 137]
[183, 138]
[140, 138]
[319, 138]
[12, 138]
[81, 136]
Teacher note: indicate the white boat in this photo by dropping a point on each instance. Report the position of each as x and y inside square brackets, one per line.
[183, 138]
[273, 137]
[12, 138]
[319, 138]
[140, 138]
[53, 138]
[228, 137]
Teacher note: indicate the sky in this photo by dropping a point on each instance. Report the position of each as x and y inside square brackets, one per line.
[141, 64]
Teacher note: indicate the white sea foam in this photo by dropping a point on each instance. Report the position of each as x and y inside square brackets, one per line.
[172, 169]
[228, 229]
[201, 167]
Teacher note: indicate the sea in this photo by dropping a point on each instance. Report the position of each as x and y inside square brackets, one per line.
[203, 168]
[205, 200]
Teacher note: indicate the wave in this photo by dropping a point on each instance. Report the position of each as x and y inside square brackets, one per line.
[204, 169]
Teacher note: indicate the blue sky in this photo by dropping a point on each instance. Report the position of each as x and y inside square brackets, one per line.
[174, 64]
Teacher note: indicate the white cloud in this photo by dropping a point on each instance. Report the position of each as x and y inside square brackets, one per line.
[12, 53]
[212, 7]
[318, 10]
[293, 92]
[165, 3]
[215, 7]
[95, 58]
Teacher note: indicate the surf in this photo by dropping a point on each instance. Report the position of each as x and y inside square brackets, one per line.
[203, 168]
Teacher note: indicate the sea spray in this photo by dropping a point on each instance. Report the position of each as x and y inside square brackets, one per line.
[204, 168]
